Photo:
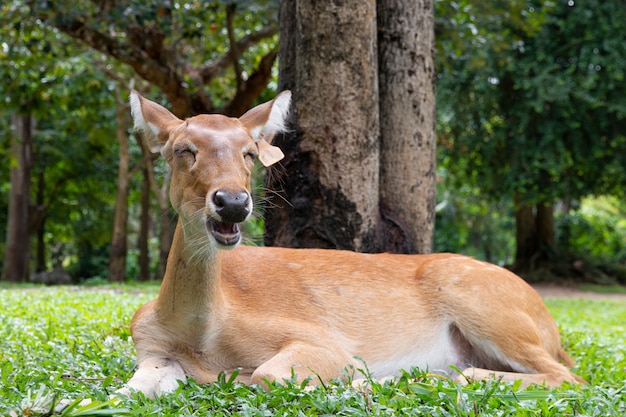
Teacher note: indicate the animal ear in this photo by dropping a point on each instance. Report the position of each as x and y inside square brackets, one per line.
[153, 119]
[264, 121]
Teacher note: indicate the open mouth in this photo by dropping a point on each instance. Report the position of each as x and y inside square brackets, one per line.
[227, 234]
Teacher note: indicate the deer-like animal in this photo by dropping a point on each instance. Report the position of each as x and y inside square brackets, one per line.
[271, 313]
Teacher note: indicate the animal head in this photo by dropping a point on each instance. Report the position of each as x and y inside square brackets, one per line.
[212, 157]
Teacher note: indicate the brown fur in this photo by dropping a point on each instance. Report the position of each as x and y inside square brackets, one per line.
[273, 311]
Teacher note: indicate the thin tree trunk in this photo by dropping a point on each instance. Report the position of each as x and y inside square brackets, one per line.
[161, 192]
[407, 123]
[16, 256]
[144, 228]
[119, 241]
[39, 222]
[167, 228]
[332, 158]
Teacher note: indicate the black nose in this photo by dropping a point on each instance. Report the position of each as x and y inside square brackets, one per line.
[232, 207]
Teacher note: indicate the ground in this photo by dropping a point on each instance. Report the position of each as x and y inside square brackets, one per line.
[551, 290]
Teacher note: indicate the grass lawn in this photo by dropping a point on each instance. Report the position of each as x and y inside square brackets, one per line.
[74, 343]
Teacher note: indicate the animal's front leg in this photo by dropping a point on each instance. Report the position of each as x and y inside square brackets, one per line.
[305, 361]
[155, 376]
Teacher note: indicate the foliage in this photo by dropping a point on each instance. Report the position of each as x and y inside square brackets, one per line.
[597, 230]
[467, 223]
[591, 233]
[71, 90]
[71, 343]
[203, 55]
[71, 99]
[541, 115]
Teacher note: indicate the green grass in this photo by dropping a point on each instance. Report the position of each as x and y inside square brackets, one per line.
[74, 343]
[603, 289]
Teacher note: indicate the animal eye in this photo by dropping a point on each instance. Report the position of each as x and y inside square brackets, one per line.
[250, 156]
[185, 151]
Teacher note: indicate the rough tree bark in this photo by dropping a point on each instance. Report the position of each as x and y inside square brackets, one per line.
[342, 190]
[407, 123]
[16, 256]
[332, 158]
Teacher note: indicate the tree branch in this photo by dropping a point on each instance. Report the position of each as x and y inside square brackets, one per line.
[145, 52]
[252, 87]
[234, 49]
[209, 71]
[145, 65]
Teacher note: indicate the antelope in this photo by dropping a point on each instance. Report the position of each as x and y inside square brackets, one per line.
[267, 314]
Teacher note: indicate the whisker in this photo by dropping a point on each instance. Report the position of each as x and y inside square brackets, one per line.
[269, 193]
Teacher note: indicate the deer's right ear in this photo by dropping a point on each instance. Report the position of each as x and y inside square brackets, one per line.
[153, 119]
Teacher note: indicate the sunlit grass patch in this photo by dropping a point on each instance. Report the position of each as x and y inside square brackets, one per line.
[74, 343]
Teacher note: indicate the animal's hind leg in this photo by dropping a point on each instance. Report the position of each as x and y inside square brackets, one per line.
[553, 374]
[532, 365]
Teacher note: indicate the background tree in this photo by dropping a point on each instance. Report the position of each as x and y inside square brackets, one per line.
[178, 47]
[334, 159]
[197, 45]
[184, 49]
[16, 259]
[522, 114]
[35, 66]
[119, 239]
[538, 119]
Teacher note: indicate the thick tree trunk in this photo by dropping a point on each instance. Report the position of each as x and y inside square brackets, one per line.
[407, 123]
[525, 236]
[16, 256]
[535, 235]
[546, 232]
[119, 241]
[332, 159]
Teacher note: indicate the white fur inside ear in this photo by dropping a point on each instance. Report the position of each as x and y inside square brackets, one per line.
[277, 121]
[141, 124]
[137, 114]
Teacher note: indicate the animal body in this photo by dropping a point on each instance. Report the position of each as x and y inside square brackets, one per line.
[273, 312]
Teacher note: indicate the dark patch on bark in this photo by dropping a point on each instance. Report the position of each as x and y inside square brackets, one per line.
[312, 215]
[395, 238]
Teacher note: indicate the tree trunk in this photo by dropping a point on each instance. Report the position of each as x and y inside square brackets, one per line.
[535, 235]
[144, 228]
[332, 158]
[162, 195]
[546, 232]
[525, 236]
[407, 123]
[16, 256]
[119, 241]
[37, 221]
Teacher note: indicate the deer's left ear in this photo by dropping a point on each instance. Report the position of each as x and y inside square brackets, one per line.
[264, 121]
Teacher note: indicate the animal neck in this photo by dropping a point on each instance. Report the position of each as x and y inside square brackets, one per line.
[191, 287]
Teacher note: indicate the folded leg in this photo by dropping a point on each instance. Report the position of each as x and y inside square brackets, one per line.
[304, 361]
